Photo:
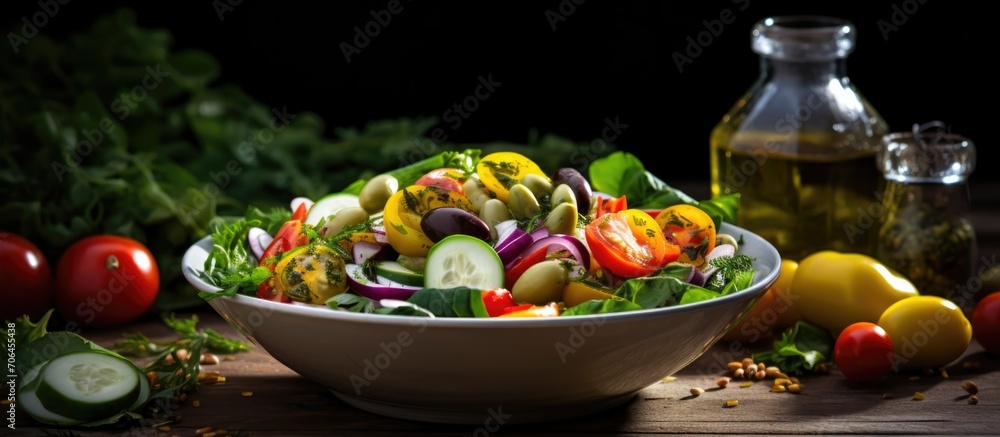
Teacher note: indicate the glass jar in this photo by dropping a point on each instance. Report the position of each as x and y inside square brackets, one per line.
[926, 231]
[799, 146]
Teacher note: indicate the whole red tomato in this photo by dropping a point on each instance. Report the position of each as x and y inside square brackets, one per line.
[863, 351]
[27, 279]
[106, 280]
[986, 322]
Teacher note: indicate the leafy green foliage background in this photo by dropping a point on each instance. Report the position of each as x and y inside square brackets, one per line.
[150, 177]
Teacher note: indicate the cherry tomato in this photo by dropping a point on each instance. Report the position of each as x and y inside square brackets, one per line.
[497, 301]
[106, 280]
[451, 179]
[986, 322]
[863, 351]
[288, 237]
[629, 243]
[404, 211]
[501, 170]
[690, 228]
[27, 279]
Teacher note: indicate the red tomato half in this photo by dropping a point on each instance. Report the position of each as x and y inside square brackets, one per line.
[986, 322]
[27, 279]
[629, 243]
[451, 179]
[863, 351]
[288, 237]
[106, 280]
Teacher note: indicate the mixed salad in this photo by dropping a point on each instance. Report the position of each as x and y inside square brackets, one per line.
[464, 235]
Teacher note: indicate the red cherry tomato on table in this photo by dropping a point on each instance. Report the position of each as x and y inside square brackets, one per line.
[27, 279]
[106, 280]
[863, 351]
[986, 322]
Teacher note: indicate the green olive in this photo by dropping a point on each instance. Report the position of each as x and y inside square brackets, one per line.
[522, 202]
[350, 216]
[494, 211]
[539, 185]
[562, 219]
[377, 191]
[563, 194]
[541, 283]
[726, 239]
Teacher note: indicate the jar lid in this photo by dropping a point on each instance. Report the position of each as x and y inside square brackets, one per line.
[803, 37]
[927, 154]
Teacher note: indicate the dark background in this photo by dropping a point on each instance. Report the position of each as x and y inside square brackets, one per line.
[605, 60]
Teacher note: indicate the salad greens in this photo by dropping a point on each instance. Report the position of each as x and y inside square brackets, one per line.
[622, 174]
[232, 267]
[802, 347]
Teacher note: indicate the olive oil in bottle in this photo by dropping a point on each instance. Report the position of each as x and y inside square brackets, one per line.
[802, 203]
[799, 146]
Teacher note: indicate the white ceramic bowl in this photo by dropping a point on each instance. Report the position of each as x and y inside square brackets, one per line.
[460, 370]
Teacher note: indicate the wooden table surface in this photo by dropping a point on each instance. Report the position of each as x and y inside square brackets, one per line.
[285, 404]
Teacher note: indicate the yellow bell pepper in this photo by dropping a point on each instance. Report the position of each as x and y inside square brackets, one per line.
[834, 289]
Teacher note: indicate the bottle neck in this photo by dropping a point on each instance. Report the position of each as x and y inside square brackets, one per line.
[812, 71]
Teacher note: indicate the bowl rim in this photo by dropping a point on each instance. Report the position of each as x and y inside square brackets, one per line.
[322, 311]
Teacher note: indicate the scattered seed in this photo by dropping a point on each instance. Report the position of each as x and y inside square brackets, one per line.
[781, 375]
[735, 365]
[918, 396]
[778, 388]
[738, 373]
[783, 382]
[795, 388]
[970, 365]
[163, 428]
[229, 358]
[697, 391]
[760, 374]
[722, 382]
[209, 359]
[221, 432]
[761, 367]
[6, 402]
[914, 378]
[746, 384]
[730, 403]
[944, 374]
[772, 371]
[793, 379]
[747, 362]
[247, 394]
[970, 387]
[196, 403]
[210, 434]
[669, 379]
[202, 431]
[973, 400]
[888, 396]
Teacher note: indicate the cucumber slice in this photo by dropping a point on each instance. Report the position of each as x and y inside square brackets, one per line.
[396, 272]
[330, 205]
[83, 387]
[463, 260]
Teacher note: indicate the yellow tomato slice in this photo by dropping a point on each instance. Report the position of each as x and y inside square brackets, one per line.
[501, 170]
[404, 210]
[690, 228]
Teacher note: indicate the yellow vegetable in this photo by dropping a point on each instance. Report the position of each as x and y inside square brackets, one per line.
[927, 332]
[578, 292]
[834, 289]
[772, 313]
[311, 274]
